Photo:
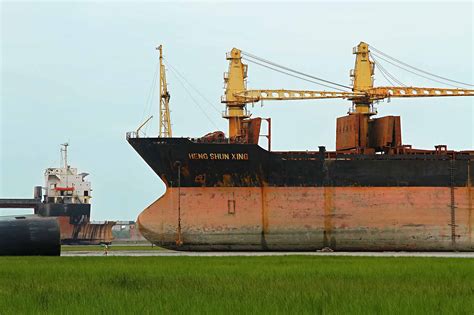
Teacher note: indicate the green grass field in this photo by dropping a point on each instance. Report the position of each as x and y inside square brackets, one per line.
[220, 285]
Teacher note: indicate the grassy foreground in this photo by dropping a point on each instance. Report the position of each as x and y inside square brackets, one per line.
[217, 285]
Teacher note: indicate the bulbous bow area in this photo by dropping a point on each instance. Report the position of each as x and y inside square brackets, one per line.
[158, 222]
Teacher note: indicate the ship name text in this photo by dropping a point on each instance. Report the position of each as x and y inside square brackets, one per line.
[218, 156]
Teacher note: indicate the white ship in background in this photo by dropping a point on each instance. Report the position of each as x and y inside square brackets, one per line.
[67, 198]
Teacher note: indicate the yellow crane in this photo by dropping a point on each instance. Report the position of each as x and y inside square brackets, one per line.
[165, 120]
[363, 93]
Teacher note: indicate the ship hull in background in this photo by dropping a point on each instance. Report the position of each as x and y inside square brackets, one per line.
[75, 227]
[303, 201]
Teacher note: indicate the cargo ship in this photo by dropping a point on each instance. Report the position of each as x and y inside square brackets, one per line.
[373, 193]
[66, 199]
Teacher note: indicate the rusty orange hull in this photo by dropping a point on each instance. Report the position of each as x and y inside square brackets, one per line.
[311, 218]
[85, 233]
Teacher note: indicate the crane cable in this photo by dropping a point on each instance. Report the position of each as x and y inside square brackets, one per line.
[292, 75]
[383, 73]
[249, 55]
[192, 98]
[378, 52]
[151, 93]
[386, 73]
[413, 72]
[189, 83]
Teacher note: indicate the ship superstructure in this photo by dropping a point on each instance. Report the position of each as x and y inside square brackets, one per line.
[64, 185]
[372, 193]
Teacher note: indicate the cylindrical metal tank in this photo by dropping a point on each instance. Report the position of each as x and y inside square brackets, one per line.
[29, 235]
[37, 192]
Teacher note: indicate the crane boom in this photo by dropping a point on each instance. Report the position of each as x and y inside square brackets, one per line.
[373, 94]
[249, 96]
[411, 91]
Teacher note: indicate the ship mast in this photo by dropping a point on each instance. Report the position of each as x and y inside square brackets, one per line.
[165, 121]
[64, 154]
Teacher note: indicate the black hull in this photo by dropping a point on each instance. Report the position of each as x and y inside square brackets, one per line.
[259, 168]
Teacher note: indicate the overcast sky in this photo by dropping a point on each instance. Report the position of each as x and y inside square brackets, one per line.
[82, 72]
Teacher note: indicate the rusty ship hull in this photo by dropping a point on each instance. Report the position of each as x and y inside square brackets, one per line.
[75, 225]
[229, 196]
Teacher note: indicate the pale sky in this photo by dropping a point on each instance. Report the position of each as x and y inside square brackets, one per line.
[81, 72]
